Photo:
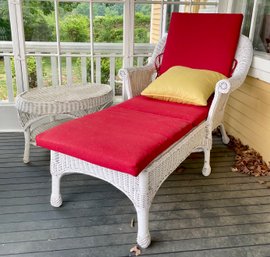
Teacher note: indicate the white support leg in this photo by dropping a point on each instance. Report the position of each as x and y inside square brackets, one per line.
[26, 146]
[225, 138]
[56, 198]
[142, 207]
[143, 236]
[206, 167]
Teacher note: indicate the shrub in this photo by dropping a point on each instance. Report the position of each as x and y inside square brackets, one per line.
[74, 28]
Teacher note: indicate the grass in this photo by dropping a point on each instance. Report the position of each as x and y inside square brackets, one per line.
[3, 86]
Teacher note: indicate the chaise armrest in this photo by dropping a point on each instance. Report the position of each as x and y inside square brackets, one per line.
[223, 90]
[136, 79]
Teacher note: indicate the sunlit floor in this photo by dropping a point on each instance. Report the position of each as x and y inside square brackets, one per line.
[224, 215]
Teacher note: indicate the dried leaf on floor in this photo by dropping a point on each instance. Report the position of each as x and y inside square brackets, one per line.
[132, 222]
[179, 170]
[234, 169]
[247, 160]
[135, 251]
[261, 182]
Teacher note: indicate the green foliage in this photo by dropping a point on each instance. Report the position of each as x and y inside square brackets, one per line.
[5, 32]
[105, 68]
[75, 28]
[35, 25]
[108, 29]
[82, 9]
[142, 28]
[141, 35]
[145, 9]
[39, 22]
[39, 25]
[32, 71]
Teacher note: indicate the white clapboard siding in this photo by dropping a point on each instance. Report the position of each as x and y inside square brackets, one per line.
[39, 71]
[8, 72]
[247, 115]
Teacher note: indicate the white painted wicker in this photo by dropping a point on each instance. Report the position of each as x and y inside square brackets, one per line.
[42, 108]
[142, 189]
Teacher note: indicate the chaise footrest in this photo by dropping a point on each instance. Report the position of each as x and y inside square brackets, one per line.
[126, 137]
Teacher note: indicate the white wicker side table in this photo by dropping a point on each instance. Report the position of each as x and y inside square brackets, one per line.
[43, 108]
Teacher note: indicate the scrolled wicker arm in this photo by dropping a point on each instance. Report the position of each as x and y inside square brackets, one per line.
[225, 87]
[136, 79]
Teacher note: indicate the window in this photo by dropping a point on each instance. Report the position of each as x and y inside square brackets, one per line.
[257, 27]
[65, 42]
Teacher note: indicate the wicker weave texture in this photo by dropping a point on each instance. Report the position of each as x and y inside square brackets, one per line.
[43, 108]
[142, 189]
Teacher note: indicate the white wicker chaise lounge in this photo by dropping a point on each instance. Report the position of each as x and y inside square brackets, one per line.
[142, 187]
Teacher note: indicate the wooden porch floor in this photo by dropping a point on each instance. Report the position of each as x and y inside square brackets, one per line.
[226, 214]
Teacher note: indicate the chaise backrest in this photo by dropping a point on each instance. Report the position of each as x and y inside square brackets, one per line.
[202, 41]
[242, 54]
[136, 79]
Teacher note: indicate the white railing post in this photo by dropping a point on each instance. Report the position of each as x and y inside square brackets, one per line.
[84, 70]
[57, 29]
[39, 71]
[98, 69]
[17, 32]
[112, 74]
[54, 71]
[69, 70]
[91, 40]
[8, 72]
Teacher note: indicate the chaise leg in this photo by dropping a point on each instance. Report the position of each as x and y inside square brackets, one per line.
[225, 138]
[56, 198]
[206, 167]
[26, 154]
[143, 236]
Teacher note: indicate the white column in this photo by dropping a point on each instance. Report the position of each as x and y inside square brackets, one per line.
[18, 41]
[128, 37]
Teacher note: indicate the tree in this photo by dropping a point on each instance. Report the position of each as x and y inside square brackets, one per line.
[75, 28]
[36, 27]
[5, 32]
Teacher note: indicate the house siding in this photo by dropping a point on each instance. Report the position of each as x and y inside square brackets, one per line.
[247, 115]
[155, 23]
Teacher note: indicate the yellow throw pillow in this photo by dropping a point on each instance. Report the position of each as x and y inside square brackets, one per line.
[184, 85]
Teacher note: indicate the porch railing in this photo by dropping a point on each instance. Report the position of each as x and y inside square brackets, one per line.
[74, 63]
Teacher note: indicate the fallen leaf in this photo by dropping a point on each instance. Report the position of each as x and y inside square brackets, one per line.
[179, 170]
[132, 222]
[247, 160]
[234, 169]
[135, 250]
[261, 182]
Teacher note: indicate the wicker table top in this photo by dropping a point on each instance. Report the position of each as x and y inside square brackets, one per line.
[64, 99]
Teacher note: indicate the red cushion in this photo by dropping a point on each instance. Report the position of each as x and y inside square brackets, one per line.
[202, 41]
[123, 137]
[190, 113]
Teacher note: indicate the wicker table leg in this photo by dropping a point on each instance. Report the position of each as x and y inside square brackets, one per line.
[26, 146]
